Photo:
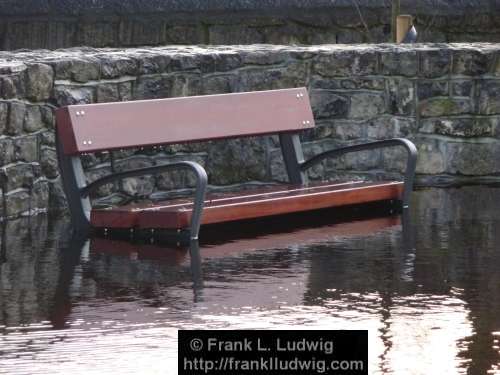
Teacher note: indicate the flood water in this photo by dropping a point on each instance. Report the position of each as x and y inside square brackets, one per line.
[429, 295]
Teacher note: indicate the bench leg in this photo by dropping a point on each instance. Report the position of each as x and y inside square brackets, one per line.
[73, 180]
[293, 157]
[199, 198]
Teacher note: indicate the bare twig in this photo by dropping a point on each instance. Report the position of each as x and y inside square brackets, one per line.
[356, 5]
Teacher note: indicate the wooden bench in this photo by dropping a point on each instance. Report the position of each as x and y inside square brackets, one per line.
[83, 129]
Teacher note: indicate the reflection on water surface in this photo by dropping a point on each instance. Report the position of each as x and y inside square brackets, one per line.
[428, 296]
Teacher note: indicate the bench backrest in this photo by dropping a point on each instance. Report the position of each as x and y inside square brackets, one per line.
[97, 127]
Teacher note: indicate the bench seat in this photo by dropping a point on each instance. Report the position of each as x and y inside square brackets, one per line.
[249, 204]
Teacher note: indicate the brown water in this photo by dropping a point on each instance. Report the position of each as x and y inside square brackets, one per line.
[430, 298]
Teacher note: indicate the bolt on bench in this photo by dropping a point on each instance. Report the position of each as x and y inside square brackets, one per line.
[89, 128]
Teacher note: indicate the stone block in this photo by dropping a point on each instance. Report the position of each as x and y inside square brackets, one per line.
[238, 160]
[125, 91]
[107, 92]
[57, 197]
[17, 113]
[399, 63]
[26, 148]
[48, 116]
[6, 151]
[69, 95]
[472, 158]
[346, 63]
[393, 159]
[39, 82]
[390, 127]
[184, 61]
[21, 201]
[17, 202]
[427, 89]
[151, 87]
[401, 94]
[277, 166]
[488, 97]
[150, 63]
[220, 84]
[33, 119]
[327, 129]
[431, 156]
[470, 62]
[47, 138]
[39, 195]
[114, 66]
[12, 87]
[264, 57]
[15, 176]
[48, 162]
[434, 63]
[220, 62]
[366, 105]
[256, 79]
[327, 104]
[184, 85]
[4, 116]
[436, 107]
[343, 130]
[77, 69]
[353, 83]
[458, 127]
[462, 88]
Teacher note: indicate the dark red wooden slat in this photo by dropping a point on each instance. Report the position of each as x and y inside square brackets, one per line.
[98, 127]
[126, 216]
[282, 200]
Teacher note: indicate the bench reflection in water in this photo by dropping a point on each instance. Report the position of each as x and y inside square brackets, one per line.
[240, 238]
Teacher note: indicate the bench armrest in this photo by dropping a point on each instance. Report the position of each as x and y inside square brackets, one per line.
[394, 142]
[201, 186]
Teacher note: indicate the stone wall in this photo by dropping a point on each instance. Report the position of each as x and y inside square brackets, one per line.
[443, 97]
[102, 23]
